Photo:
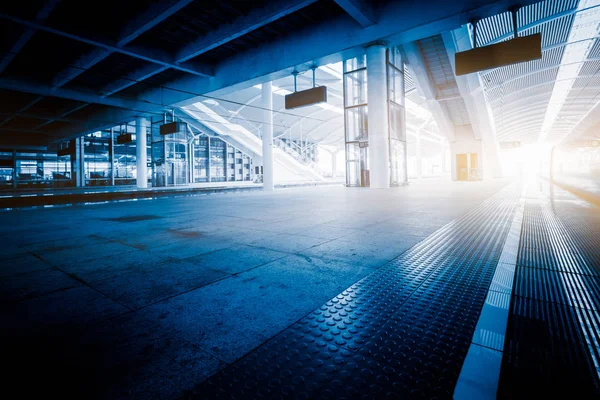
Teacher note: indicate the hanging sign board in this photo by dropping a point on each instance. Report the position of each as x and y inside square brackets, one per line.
[521, 49]
[124, 138]
[305, 98]
[65, 151]
[172, 127]
[510, 145]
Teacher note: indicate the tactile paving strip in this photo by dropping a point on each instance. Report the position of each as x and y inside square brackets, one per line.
[552, 345]
[403, 330]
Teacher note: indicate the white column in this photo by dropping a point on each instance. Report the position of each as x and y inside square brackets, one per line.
[15, 168]
[334, 164]
[111, 156]
[77, 162]
[419, 157]
[379, 146]
[267, 136]
[140, 147]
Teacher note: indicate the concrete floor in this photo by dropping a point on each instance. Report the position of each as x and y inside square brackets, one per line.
[145, 299]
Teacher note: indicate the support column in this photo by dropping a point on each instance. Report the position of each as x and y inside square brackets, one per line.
[14, 173]
[379, 150]
[77, 162]
[267, 136]
[208, 163]
[334, 164]
[419, 157]
[140, 147]
[191, 163]
[111, 156]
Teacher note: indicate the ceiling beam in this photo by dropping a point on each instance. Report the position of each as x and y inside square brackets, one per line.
[28, 34]
[18, 46]
[359, 10]
[418, 71]
[546, 48]
[536, 71]
[45, 90]
[154, 15]
[71, 111]
[153, 55]
[272, 11]
[396, 24]
[540, 21]
[22, 109]
[471, 90]
[133, 78]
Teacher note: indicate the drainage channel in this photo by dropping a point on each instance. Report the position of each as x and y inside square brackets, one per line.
[402, 331]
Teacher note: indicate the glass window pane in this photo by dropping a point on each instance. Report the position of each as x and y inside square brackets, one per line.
[218, 153]
[397, 173]
[355, 63]
[125, 161]
[355, 91]
[356, 124]
[396, 85]
[352, 164]
[97, 167]
[395, 58]
[397, 122]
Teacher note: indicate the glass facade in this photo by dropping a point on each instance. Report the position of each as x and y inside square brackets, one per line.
[357, 123]
[110, 158]
[397, 118]
[97, 165]
[34, 170]
[201, 159]
[218, 160]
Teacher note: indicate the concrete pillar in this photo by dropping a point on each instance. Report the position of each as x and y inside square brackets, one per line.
[419, 157]
[111, 156]
[379, 147]
[208, 166]
[14, 172]
[77, 162]
[334, 164]
[140, 153]
[267, 136]
[191, 161]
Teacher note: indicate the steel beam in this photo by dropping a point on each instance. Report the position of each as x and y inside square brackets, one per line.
[45, 90]
[28, 34]
[142, 54]
[478, 108]
[272, 11]
[359, 10]
[397, 24]
[133, 78]
[540, 21]
[420, 75]
[153, 16]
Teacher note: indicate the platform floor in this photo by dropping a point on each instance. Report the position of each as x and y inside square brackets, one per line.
[148, 299]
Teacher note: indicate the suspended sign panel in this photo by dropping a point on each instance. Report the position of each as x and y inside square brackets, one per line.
[521, 49]
[510, 145]
[173, 127]
[124, 138]
[584, 143]
[306, 98]
[65, 151]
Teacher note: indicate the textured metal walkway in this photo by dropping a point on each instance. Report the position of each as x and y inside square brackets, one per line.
[402, 331]
[552, 346]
